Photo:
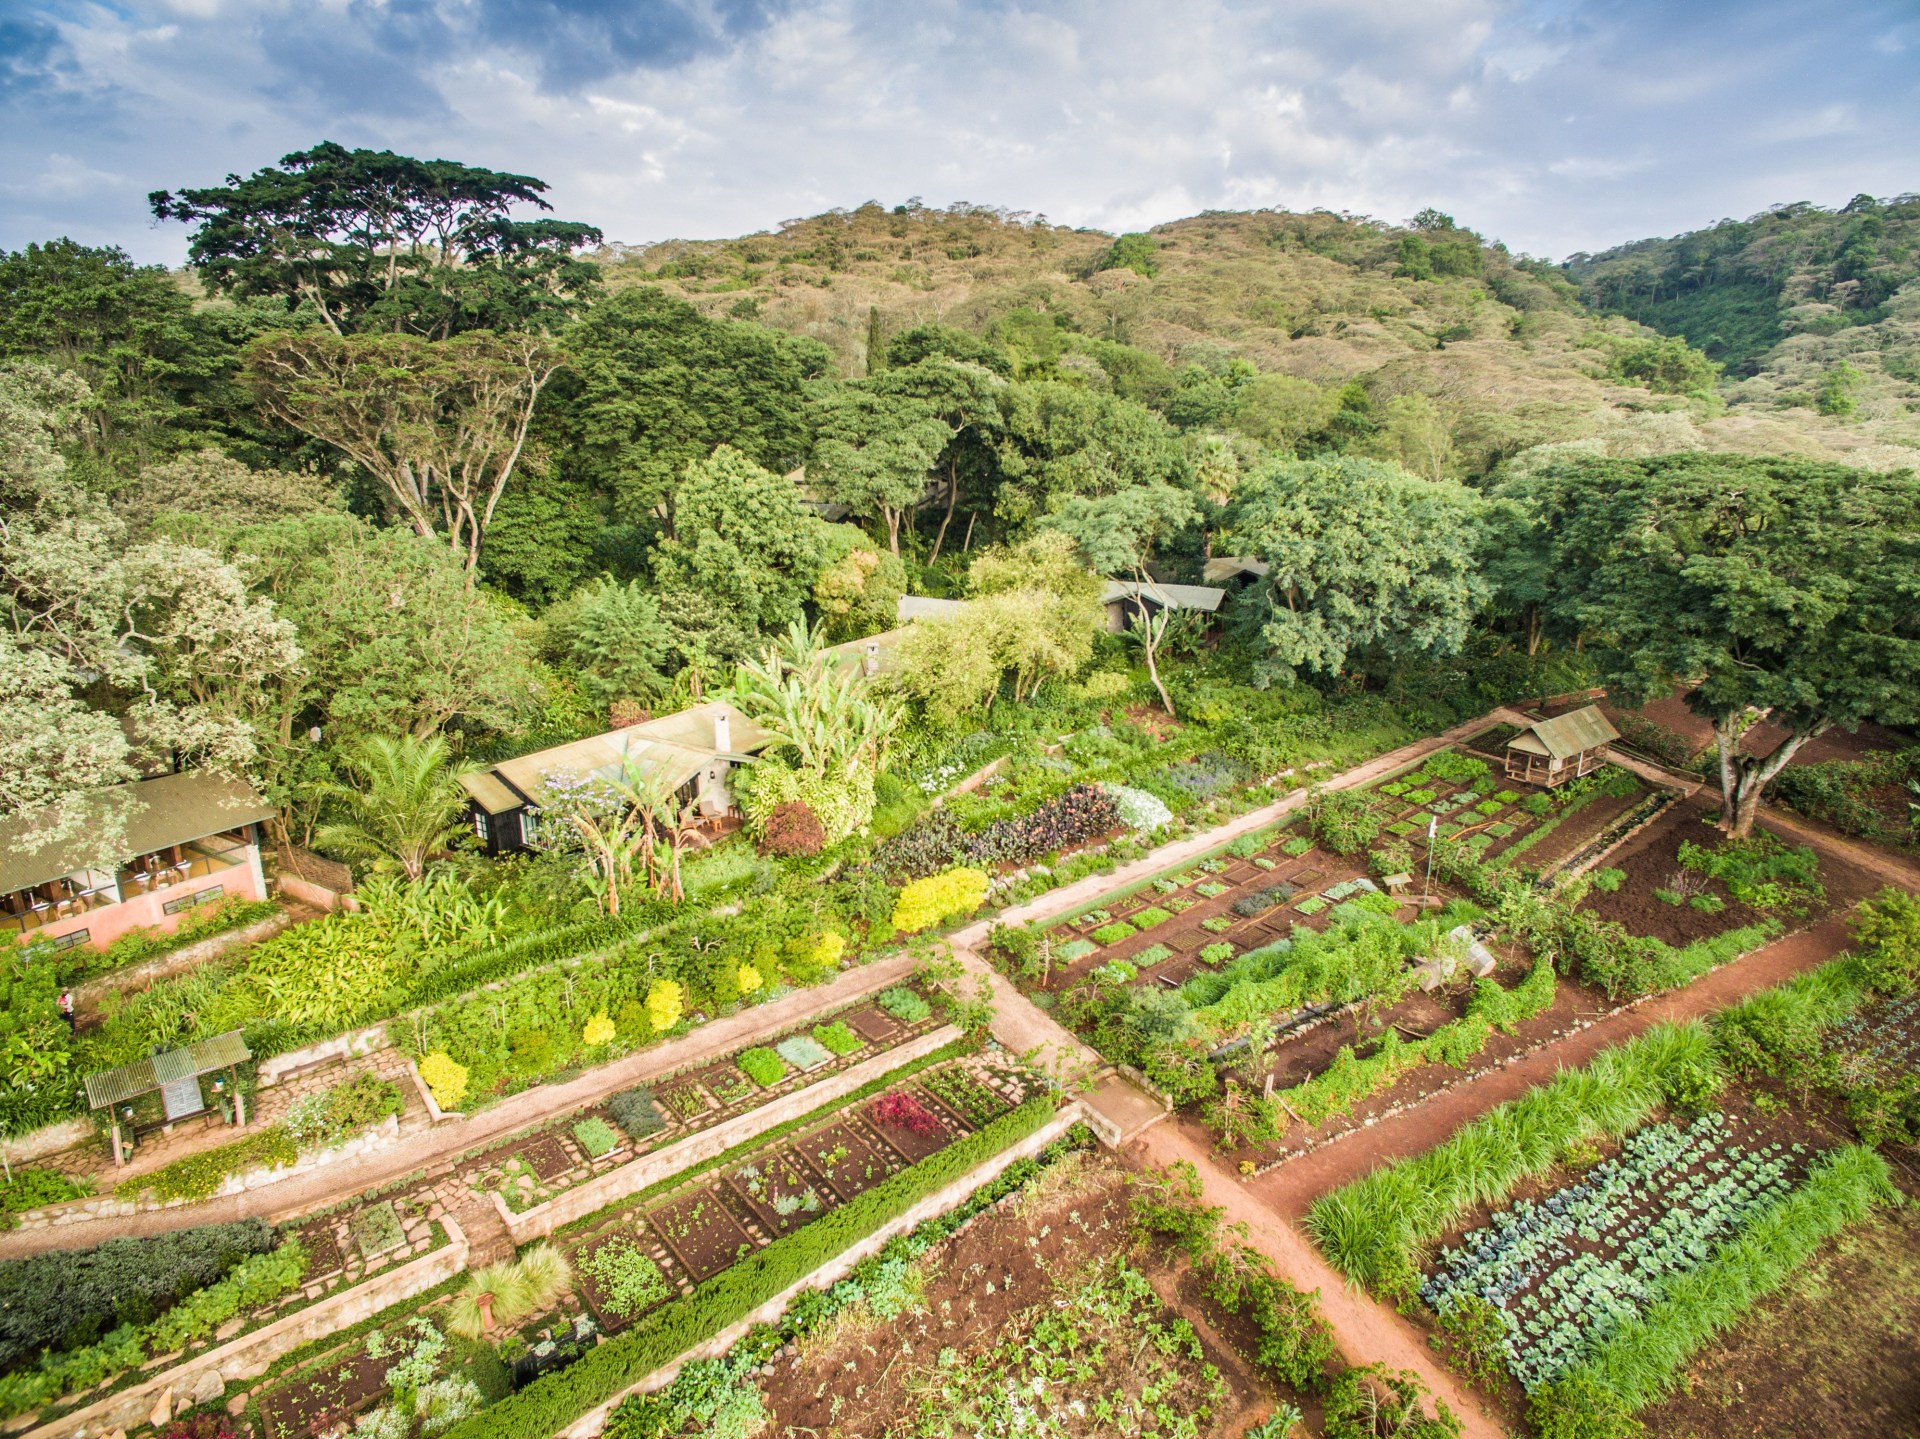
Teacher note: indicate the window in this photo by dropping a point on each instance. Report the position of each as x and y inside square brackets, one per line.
[69, 940]
[188, 901]
[480, 828]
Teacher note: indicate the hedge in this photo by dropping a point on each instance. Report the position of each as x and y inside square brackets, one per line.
[1371, 1228]
[550, 1404]
[200, 1175]
[1642, 1360]
[47, 1298]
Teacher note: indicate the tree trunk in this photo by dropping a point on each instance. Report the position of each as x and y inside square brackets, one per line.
[1533, 630]
[1743, 777]
[1150, 642]
[953, 496]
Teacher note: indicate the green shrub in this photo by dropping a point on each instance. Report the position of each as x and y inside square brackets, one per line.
[1506, 796]
[1537, 805]
[762, 1066]
[636, 1113]
[1668, 896]
[551, 1403]
[1370, 1401]
[836, 1038]
[1707, 903]
[1297, 846]
[67, 1297]
[595, 1136]
[36, 1189]
[200, 1175]
[904, 1005]
[333, 1116]
[1608, 881]
[1887, 930]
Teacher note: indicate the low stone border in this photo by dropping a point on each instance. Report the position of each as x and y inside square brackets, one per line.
[81, 1211]
[590, 1424]
[203, 1379]
[649, 1169]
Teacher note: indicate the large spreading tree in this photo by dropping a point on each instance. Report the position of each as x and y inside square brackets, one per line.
[1362, 558]
[1777, 589]
[440, 426]
[367, 240]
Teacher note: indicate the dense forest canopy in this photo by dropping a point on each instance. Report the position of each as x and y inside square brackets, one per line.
[392, 458]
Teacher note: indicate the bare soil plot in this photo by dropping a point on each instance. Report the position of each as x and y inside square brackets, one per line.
[986, 1285]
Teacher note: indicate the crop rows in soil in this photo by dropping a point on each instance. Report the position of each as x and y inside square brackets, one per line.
[716, 1221]
[530, 1169]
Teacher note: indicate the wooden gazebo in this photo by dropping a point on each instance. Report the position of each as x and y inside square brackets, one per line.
[1552, 751]
[175, 1075]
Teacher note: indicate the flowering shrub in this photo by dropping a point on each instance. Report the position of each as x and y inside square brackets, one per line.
[828, 949]
[927, 901]
[445, 1077]
[901, 1110]
[747, 980]
[597, 1031]
[1138, 810]
[664, 1004]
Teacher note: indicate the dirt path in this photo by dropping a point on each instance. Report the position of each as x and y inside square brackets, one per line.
[1895, 869]
[445, 1142]
[1291, 1189]
[1366, 1332]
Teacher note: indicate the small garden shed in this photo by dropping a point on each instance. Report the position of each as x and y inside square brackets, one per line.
[1552, 751]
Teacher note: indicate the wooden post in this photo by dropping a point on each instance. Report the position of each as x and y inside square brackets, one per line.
[119, 1158]
[239, 1101]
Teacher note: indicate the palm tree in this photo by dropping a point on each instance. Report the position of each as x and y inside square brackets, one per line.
[405, 802]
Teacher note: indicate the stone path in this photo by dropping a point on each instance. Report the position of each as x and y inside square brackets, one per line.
[448, 1141]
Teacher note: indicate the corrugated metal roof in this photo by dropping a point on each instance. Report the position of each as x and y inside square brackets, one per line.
[490, 792]
[672, 748]
[924, 607]
[148, 815]
[1172, 597]
[1567, 735]
[144, 1076]
[854, 652]
[1229, 567]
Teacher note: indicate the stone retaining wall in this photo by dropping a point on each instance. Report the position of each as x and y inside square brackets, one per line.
[203, 1379]
[837, 1268]
[649, 1169]
[81, 1211]
[87, 996]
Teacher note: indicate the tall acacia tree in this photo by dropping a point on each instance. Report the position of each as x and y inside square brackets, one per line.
[441, 426]
[1777, 589]
[367, 241]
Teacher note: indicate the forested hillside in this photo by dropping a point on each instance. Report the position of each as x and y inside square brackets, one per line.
[1487, 353]
[383, 463]
[1802, 305]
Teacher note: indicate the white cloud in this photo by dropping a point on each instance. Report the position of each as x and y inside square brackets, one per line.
[1554, 124]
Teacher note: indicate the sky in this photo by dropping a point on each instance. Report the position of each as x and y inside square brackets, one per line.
[1556, 125]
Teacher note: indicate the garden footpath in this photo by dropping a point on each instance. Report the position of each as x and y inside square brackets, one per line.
[1366, 1332]
[443, 1145]
[1291, 1188]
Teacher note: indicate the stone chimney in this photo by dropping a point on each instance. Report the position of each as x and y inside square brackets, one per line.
[870, 662]
[722, 731]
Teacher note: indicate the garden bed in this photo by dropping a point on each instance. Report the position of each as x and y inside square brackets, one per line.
[716, 1220]
[1649, 867]
[962, 1347]
[535, 1168]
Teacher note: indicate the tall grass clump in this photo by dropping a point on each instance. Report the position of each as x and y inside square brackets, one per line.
[1778, 1028]
[1371, 1228]
[1643, 1359]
